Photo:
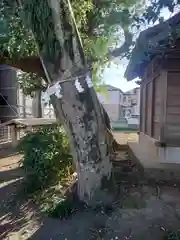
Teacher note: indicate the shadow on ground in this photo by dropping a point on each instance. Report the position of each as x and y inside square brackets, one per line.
[15, 211]
[8, 152]
[11, 174]
[140, 213]
[141, 210]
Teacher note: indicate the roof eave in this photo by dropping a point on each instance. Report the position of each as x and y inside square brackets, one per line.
[132, 69]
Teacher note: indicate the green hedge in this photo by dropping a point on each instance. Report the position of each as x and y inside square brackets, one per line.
[46, 157]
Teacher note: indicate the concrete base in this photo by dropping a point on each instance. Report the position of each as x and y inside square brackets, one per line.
[162, 155]
[153, 166]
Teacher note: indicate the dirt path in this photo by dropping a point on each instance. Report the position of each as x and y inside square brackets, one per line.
[139, 212]
[123, 138]
[140, 215]
[17, 215]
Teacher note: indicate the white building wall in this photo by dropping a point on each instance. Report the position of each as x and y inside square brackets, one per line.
[111, 97]
[25, 107]
[112, 103]
[137, 107]
[131, 102]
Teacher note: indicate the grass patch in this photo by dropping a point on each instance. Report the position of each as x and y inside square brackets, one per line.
[119, 129]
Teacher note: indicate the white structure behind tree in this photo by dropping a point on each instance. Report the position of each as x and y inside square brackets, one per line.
[13, 102]
[131, 106]
[112, 102]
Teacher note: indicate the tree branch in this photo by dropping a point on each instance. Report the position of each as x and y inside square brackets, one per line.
[32, 64]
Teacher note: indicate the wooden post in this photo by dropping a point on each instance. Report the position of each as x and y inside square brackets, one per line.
[14, 136]
[163, 105]
[9, 133]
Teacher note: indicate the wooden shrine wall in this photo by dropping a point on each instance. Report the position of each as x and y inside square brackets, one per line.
[172, 123]
[151, 101]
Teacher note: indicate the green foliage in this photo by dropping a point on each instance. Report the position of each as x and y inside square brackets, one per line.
[3, 30]
[30, 82]
[172, 235]
[63, 209]
[19, 42]
[99, 23]
[46, 157]
[95, 20]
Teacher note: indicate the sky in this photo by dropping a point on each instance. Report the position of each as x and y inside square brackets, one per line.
[114, 74]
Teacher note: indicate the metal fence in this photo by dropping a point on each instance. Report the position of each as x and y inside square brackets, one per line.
[5, 134]
[6, 131]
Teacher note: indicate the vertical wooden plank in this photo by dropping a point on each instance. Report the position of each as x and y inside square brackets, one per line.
[149, 108]
[144, 101]
[172, 122]
[152, 106]
[156, 107]
[14, 136]
[146, 108]
[164, 86]
[120, 105]
[141, 112]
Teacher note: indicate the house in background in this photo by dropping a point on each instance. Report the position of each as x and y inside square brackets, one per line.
[131, 106]
[131, 102]
[112, 102]
[122, 108]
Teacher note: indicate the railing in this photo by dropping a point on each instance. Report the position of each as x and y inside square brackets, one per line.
[5, 134]
[18, 128]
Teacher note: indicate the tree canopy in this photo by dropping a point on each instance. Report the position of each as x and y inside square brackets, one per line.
[102, 25]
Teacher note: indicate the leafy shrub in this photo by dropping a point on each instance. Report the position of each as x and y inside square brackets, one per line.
[46, 157]
[172, 235]
[63, 209]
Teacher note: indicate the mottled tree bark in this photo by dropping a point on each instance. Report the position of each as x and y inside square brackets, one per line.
[82, 118]
[37, 107]
[81, 113]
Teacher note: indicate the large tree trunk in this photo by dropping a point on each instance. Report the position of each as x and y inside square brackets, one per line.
[37, 107]
[91, 149]
[81, 113]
